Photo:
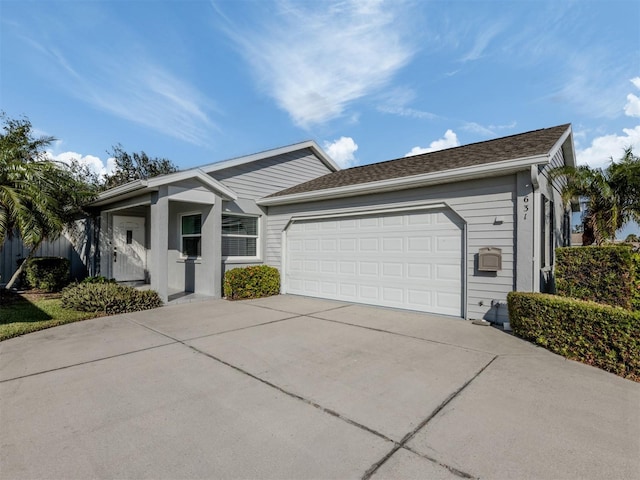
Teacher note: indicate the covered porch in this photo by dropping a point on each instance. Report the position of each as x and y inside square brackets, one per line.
[165, 233]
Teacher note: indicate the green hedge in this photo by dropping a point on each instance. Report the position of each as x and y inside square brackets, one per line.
[98, 279]
[599, 335]
[607, 274]
[50, 274]
[109, 298]
[251, 282]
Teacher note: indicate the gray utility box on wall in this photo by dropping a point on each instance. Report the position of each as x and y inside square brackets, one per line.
[490, 259]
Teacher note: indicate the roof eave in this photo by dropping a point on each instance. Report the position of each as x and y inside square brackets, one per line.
[139, 187]
[123, 191]
[565, 143]
[309, 144]
[413, 181]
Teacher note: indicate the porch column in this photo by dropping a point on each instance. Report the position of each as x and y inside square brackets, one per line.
[104, 246]
[212, 250]
[160, 243]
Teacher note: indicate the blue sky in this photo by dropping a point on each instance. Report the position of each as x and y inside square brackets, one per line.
[201, 81]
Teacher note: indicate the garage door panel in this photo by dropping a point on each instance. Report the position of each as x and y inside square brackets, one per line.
[348, 245]
[419, 298]
[329, 226]
[390, 221]
[310, 266]
[369, 222]
[329, 288]
[369, 245]
[369, 292]
[448, 244]
[393, 244]
[448, 272]
[311, 286]
[310, 245]
[347, 225]
[348, 290]
[295, 246]
[347, 268]
[393, 295]
[392, 270]
[419, 244]
[419, 271]
[407, 260]
[368, 269]
[329, 245]
[328, 267]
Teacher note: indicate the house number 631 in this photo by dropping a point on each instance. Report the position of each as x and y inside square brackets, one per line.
[526, 206]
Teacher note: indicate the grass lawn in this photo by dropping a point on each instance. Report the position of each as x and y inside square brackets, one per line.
[24, 313]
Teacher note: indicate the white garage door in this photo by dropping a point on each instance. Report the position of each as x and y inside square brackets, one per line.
[409, 260]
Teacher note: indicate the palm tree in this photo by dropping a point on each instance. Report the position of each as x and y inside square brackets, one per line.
[611, 194]
[38, 197]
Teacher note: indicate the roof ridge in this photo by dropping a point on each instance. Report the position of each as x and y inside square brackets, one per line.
[564, 125]
[519, 146]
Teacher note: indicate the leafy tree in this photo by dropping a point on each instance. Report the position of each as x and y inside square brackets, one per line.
[38, 197]
[631, 238]
[135, 166]
[612, 195]
[625, 180]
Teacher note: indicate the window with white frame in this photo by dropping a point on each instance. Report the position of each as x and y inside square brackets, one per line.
[239, 236]
[191, 235]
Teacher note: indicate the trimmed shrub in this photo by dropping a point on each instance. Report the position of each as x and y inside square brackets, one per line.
[599, 335]
[50, 274]
[109, 298]
[251, 282]
[98, 279]
[606, 274]
[635, 298]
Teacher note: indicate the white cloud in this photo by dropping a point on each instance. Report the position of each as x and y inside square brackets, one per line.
[482, 42]
[602, 149]
[95, 164]
[489, 130]
[129, 85]
[342, 151]
[316, 58]
[632, 108]
[477, 128]
[449, 140]
[612, 146]
[397, 100]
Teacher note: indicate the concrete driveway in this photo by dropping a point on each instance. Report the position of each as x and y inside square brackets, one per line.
[292, 387]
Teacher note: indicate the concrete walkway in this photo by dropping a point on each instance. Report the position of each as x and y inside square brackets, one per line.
[292, 387]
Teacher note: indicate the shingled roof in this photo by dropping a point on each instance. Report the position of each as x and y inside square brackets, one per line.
[523, 145]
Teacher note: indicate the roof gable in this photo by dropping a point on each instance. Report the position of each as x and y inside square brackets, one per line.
[309, 144]
[537, 143]
[138, 187]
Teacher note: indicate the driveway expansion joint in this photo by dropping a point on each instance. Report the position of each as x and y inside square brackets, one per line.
[278, 388]
[381, 330]
[310, 314]
[237, 329]
[453, 470]
[95, 360]
[421, 425]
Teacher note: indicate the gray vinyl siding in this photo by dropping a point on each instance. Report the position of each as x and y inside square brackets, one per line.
[552, 189]
[264, 177]
[73, 245]
[478, 202]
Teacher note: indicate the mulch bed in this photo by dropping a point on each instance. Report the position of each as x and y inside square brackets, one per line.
[8, 297]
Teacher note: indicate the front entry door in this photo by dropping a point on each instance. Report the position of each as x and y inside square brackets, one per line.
[129, 255]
